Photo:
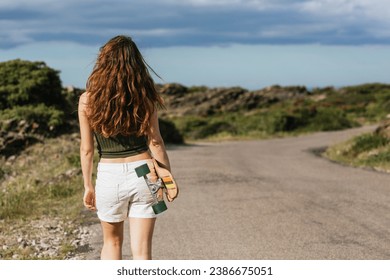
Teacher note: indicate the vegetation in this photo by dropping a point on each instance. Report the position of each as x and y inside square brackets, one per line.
[369, 102]
[169, 132]
[369, 150]
[26, 83]
[31, 92]
[34, 184]
[274, 121]
[33, 190]
[321, 110]
[47, 120]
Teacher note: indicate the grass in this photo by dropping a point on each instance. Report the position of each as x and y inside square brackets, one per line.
[42, 183]
[367, 150]
[275, 121]
[48, 120]
[336, 110]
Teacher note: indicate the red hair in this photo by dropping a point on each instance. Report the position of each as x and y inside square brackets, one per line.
[121, 93]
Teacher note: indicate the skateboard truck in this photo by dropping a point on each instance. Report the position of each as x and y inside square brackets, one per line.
[155, 188]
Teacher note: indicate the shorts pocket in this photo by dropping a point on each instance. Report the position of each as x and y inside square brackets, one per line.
[107, 193]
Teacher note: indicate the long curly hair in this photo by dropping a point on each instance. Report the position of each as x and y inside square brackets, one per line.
[121, 93]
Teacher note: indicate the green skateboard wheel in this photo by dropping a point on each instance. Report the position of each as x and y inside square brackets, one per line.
[159, 207]
[142, 170]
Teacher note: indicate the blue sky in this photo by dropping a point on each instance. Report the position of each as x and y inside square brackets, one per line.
[249, 43]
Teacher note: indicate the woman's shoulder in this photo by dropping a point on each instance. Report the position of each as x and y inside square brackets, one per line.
[83, 100]
[84, 96]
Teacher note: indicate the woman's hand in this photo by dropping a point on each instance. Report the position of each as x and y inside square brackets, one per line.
[89, 199]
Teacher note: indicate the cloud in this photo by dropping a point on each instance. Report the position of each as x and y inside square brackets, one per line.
[376, 10]
[7, 4]
[196, 22]
[235, 4]
[331, 7]
[262, 4]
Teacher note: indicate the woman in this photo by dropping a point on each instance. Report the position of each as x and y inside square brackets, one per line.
[119, 110]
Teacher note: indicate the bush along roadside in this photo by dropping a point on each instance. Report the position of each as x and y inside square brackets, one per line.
[370, 150]
[263, 123]
[31, 105]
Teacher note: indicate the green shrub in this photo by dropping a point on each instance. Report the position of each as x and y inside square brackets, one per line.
[383, 157]
[369, 101]
[71, 100]
[24, 83]
[329, 118]
[365, 89]
[169, 132]
[304, 117]
[280, 122]
[367, 142]
[49, 119]
[244, 124]
[187, 125]
[379, 108]
[214, 128]
[277, 119]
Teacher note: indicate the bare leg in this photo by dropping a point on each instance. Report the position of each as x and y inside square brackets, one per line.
[141, 233]
[113, 240]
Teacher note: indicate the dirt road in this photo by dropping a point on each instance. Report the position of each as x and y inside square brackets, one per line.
[271, 199]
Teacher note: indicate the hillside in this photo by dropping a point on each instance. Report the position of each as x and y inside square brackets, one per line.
[223, 113]
[203, 101]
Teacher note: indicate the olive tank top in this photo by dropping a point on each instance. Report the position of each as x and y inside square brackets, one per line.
[120, 146]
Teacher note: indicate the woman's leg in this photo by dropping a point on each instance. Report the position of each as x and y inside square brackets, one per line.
[141, 233]
[113, 239]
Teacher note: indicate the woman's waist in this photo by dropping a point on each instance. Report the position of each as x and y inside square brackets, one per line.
[128, 159]
[122, 166]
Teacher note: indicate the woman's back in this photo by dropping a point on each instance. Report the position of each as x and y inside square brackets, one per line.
[120, 146]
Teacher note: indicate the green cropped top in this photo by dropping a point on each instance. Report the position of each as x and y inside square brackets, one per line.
[120, 146]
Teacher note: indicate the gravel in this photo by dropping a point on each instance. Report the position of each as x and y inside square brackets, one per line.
[46, 238]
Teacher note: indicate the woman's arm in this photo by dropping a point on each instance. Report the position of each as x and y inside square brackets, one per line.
[86, 153]
[156, 143]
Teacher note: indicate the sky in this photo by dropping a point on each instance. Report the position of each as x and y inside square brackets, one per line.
[247, 43]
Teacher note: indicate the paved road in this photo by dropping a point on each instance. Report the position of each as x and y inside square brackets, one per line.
[271, 199]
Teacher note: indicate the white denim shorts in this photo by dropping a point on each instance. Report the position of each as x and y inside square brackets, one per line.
[120, 193]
